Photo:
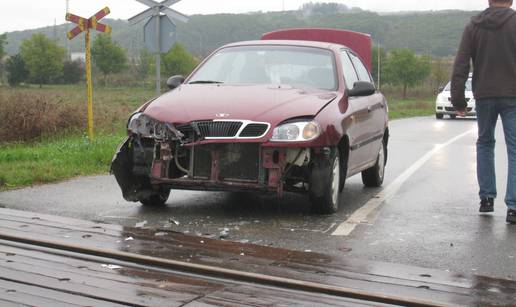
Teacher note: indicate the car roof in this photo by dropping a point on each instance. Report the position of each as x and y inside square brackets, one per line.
[295, 43]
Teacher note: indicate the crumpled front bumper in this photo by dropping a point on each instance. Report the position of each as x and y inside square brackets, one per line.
[212, 167]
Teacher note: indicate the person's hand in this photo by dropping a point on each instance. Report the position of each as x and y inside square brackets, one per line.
[461, 112]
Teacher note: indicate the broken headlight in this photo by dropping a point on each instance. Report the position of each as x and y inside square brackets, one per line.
[147, 127]
[296, 132]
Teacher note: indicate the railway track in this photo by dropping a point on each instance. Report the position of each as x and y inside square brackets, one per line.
[48, 261]
[203, 271]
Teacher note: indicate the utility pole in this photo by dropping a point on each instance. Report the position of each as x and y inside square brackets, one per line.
[55, 30]
[379, 63]
[68, 29]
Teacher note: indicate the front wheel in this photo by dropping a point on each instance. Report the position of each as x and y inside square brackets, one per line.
[439, 116]
[155, 199]
[373, 177]
[325, 185]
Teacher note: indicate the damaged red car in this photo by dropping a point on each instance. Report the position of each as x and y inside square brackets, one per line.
[294, 112]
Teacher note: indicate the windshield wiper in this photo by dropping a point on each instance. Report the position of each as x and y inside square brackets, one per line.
[205, 82]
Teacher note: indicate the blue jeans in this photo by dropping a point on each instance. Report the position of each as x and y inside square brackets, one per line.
[488, 111]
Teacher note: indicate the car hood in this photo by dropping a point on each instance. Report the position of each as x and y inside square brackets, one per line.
[260, 103]
[467, 94]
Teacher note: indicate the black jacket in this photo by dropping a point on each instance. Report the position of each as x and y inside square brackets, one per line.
[490, 41]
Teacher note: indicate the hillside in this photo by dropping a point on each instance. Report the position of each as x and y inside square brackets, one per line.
[436, 33]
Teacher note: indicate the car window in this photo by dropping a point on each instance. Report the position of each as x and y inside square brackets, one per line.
[296, 66]
[469, 86]
[350, 75]
[363, 73]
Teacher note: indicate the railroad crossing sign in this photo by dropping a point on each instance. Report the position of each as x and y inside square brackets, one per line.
[161, 18]
[84, 25]
[167, 31]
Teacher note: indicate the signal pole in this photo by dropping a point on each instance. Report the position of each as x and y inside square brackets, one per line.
[158, 46]
[87, 25]
[154, 13]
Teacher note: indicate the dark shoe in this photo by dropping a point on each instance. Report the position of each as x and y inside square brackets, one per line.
[486, 205]
[511, 216]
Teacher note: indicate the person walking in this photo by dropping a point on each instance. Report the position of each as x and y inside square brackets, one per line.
[489, 40]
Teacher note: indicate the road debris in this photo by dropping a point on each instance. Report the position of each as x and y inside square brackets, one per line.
[173, 221]
[224, 234]
[111, 266]
[141, 224]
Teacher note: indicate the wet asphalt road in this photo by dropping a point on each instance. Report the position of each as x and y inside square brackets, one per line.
[430, 221]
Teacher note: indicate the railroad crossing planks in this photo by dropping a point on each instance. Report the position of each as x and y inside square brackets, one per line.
[53, 276]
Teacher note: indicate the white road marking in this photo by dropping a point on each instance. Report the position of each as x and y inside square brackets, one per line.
[360, 216]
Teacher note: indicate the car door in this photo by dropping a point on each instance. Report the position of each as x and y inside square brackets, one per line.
[376, 107]
[358, 131]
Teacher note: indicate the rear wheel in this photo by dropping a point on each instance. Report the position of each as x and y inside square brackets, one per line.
[373, 177]
[156, 199]
[453, 116]
[439, 116]
[325, 185]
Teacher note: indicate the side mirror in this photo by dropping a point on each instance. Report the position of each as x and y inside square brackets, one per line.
[175, 81]
[362, 88]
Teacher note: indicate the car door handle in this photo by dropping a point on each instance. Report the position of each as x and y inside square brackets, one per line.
[369, 109]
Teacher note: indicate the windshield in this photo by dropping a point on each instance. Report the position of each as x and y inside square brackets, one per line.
[468, 86]
[296, 66]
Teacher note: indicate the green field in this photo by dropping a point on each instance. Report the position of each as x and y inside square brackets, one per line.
[399, 108]
[55, 160]
[66, 153]
[60, 153]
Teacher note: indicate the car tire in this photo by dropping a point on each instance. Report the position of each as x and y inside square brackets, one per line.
[373, 177]
[439, 116]
[156, 199]
[325, 185]
[453, 116]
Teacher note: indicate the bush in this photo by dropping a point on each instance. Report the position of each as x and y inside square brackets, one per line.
[108, 56]
[26, 117]
[16, 70]
[73, 71]
[43, 59]
[177, 62]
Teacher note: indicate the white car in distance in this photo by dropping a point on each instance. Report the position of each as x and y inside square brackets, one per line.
[443, 105]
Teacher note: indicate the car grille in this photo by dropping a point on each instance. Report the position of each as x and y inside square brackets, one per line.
[224, 129]
[254, 130]
[467, 99]
[218, 129]
[452, 109]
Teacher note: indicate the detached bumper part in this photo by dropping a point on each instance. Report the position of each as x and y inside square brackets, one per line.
[134, 188]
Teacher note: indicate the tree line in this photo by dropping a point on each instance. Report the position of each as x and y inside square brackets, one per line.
[42, 61]
[435, 32]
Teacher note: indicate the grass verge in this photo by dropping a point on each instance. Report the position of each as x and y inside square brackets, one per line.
[54, 160]
[410, 108]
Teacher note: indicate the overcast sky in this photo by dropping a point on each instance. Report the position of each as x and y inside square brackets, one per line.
[29, 14]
